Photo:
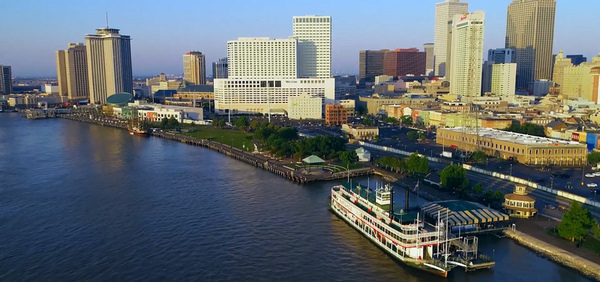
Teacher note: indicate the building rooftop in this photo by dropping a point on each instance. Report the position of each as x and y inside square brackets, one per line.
[513, 137]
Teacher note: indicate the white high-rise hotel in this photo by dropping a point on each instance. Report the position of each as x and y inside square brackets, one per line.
[467, 55]
[444, 12]
[263, 73]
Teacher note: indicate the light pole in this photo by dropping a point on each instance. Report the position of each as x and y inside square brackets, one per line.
[511, 169]
[595, 194]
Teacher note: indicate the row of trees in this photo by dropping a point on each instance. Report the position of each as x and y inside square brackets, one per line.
[283, 141]
[454, 177]
[415, 165]
[527, 128]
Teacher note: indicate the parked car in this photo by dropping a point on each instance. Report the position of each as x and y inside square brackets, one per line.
[592, 185]
[597, 173]
[589, 175]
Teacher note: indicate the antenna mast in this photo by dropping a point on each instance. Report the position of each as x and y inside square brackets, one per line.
[106, 19]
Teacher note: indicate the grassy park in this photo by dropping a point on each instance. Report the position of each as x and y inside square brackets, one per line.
[229, 137]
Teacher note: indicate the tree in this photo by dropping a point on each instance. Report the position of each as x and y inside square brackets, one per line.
[412, 135]
[421, 136]
[593, 157]
[527, 128]
[368, 122]
[254, 125]
[164, 123]
[479, 157]
[478, 189]
[498, 195]
[417, 165]
[576, 222]
[241, 123]
[172, 122]
[392, 120]
[453, 176]
[407, 120]
[348, 157]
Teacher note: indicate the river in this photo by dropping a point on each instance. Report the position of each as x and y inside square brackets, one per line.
[86, 202]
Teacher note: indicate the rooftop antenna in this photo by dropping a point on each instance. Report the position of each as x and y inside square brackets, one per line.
[106, 19]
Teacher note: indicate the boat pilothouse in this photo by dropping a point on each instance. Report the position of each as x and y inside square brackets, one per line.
[405, 236]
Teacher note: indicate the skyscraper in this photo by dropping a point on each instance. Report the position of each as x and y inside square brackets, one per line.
[109, 64]
[495, 56]
[429, 63]
[444, 12]
[501, 55]
[530, 31]
[220, 68]
[504, 80]
[401, 62]
[467, 55]
[314, 45]
[194, 68]
[5, 80]
[558, 74]
[72, 72]
[370, 63]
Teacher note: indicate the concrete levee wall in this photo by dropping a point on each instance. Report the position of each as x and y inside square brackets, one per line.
[556, 254]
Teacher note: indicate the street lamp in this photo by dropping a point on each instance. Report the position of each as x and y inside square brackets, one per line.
[594, 194]
[511, 169]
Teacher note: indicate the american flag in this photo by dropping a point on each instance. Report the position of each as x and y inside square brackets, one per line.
[416, 186]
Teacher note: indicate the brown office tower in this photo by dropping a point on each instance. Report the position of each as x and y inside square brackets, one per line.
[401, 62]
[370, 63]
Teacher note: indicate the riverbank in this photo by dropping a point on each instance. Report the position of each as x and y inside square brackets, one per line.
[559, 255]
[253, 158]
[430, 193]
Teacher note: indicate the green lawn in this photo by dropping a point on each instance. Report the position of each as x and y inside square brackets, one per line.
[225, 136]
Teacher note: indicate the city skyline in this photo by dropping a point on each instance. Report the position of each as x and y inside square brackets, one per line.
[157, 44]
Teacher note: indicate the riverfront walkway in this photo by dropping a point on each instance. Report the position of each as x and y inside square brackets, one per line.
[252, 158]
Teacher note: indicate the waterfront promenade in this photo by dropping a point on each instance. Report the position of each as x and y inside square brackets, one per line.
[253, 158]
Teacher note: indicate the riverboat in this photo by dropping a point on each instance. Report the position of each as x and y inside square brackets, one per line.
[405, 237]
[138, 131]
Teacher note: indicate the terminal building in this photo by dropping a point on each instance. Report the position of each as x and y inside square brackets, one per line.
[526, 149]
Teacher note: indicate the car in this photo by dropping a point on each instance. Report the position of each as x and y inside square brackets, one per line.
[597, 173]
[592, 185]
[589, 175]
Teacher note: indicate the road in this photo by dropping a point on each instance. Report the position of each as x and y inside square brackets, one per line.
[543, 199]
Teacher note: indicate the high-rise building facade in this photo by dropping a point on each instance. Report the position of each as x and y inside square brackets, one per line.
[467, 55]
[558, 71]
[261, 57]
[263, 75]
[577, 59]
[401, 62]
[5, 80]
[72, 72]
[370, 63]
[530, 32]
[314, 45]
[578, 81]
[501, 55]
[444, 12]
[109, 64]
[504, 79]
[220, 68]
[495, 56]
[194, 68]
[429, 62]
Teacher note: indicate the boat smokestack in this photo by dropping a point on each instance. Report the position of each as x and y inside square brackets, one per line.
[406, 200]
[391, 202]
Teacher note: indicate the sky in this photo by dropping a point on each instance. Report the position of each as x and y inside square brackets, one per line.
[162, 31]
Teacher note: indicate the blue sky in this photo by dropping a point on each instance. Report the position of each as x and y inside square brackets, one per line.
[163, 31]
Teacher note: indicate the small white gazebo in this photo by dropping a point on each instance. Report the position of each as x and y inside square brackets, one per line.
[363, 155]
